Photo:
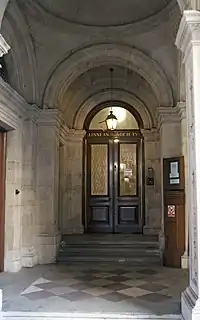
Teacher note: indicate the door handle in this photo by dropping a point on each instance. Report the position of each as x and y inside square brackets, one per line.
[115, 167]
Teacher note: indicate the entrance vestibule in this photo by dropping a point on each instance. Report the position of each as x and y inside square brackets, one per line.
[114, 175]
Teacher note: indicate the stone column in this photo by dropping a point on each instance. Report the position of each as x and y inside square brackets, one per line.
[73, 185]
[188, 40]
[47, 185]
[152, 193]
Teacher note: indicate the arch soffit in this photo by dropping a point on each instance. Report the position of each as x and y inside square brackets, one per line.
[123, 98]
[22, 52]
[97, 55]
[81, 90]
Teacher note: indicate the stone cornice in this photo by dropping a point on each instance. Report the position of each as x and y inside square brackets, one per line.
[50, 117]
[75, 135]
[183, 4]
[167, 115]
[64, 132]
[13, 108]
[16, 102]
[181, 109]
[150, 135]
[189, 31]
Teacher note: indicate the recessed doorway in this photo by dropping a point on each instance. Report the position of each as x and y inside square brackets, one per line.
[113, 175]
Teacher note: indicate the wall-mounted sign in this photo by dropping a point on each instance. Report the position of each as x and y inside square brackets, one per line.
[174, 176]
[114, 134]
[171, 211]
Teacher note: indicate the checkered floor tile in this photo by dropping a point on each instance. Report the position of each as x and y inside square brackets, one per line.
[113, 285]
[95, 288]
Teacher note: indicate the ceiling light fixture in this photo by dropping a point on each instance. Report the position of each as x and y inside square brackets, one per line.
[111, 120]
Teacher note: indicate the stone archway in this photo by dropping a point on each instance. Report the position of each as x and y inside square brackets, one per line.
[104, 54]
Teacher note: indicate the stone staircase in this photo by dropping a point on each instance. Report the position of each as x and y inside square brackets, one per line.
[134, 249]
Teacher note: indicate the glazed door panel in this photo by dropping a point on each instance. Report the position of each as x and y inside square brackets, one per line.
[113, 186]
[99, 184]
[126, 197]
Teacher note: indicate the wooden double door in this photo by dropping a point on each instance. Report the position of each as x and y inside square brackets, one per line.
[113, 182]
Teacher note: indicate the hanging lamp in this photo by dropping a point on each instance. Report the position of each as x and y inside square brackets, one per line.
[111, 120]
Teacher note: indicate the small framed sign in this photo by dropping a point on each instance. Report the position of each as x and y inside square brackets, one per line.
[171, 212]
[173, 173]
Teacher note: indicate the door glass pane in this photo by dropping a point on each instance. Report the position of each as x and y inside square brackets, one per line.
[99, 169]
[128, 169]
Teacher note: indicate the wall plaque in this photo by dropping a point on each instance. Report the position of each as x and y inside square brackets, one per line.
[171, 211]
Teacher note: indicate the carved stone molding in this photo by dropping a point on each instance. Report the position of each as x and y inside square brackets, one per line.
[93, 56]
[75, 135]
[181, 108]
[183, 4]
[89, 104]
[4, 46]
[33, 8]
[167, 115]
[150, 135]
[189, 32]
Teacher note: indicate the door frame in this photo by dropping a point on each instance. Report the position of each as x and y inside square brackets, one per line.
[126, 136]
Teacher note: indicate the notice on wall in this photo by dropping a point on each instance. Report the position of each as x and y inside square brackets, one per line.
[174, 173]
[171, 211]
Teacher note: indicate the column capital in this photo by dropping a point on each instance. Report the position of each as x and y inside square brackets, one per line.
[181, 109]
[189, 31]
[75, 135]
[183, 4]
[167, 115]
[150, 135]
[4, 47]
[50, 117]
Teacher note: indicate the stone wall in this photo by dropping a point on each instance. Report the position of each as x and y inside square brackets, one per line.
[152, 193]
[31, 200]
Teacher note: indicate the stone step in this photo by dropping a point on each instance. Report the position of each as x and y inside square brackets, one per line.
[119, 246]
[110, 239]
[134, 249]
[135, 261]
[85, 316]
[106, 251]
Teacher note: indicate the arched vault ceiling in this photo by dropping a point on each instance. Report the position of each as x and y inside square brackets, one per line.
[103, 12]
[97, 81]
[101, 55]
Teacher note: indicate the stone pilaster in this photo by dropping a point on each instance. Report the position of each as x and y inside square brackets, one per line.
[13, 209]
[169, 126]
[152, 193]
[29, 246]
[188, 40]
[73, 185]
[181, 106]
[47, 185]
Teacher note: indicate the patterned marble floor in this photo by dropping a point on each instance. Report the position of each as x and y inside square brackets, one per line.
[94, 288]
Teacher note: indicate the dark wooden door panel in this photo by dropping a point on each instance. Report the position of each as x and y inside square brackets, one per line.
[99, 184]
[174, 211]
[113, 185]
[126, 188]
[100, 220]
